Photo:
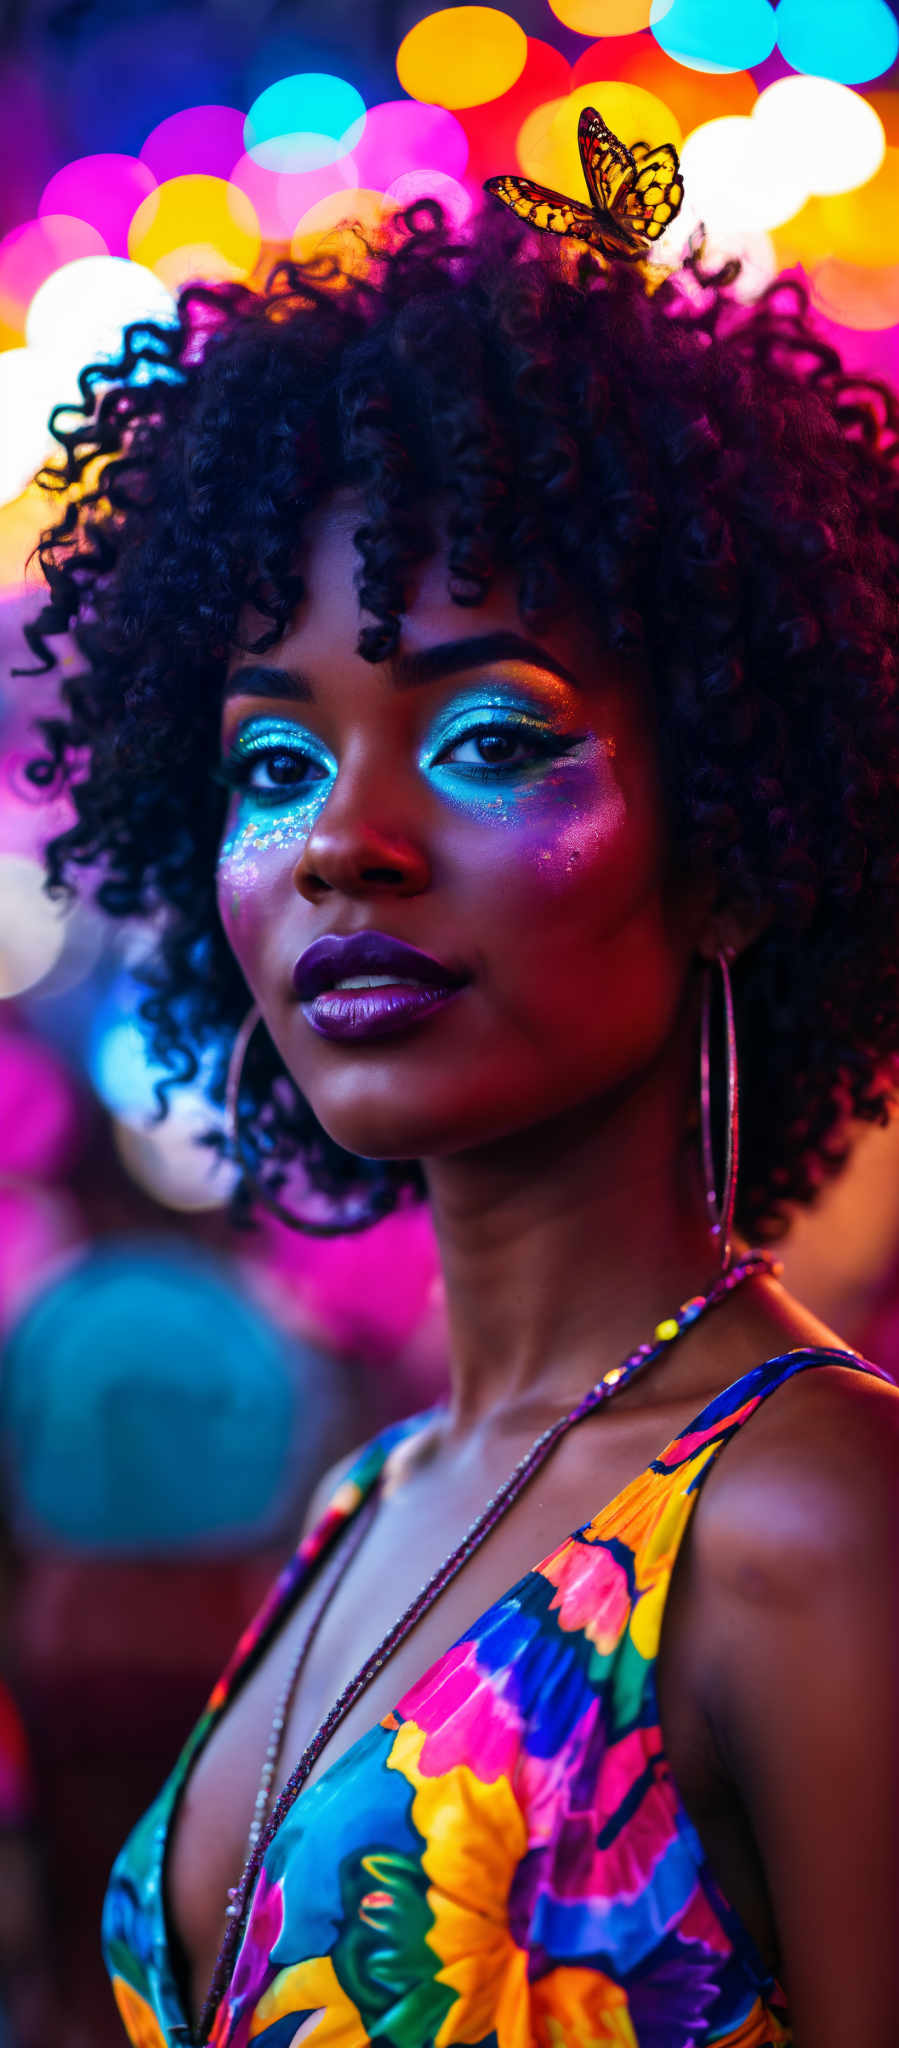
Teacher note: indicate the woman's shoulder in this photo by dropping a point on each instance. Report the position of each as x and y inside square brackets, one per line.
[811, 1485]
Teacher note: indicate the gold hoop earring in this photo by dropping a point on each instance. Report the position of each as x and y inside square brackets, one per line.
[720, 1209]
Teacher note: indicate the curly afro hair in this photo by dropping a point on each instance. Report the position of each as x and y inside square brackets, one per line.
[720, 494]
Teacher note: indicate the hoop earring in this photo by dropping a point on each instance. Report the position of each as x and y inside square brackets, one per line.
[720, 1211]
[349, 1220]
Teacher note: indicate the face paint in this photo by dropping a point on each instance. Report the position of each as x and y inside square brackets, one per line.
[281, 778]
[504, 762]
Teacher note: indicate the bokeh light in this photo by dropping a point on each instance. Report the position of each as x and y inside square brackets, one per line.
[734, 182]
[330, 223]
[280, 198]
[856, 295]
[849, 42]
[462, 56]
[86, 304]
[457, 202]
[198, 139]
[407, 135]
[819, 132]
[548, 145]
[29, 254]
[105, 190]
[858, 227]
[493, 130]
[715, 35]
[303, 122]
[30, 386]
[196, 227]
[603, 17]
[169, 1163]
[32, 930]
[694, 96]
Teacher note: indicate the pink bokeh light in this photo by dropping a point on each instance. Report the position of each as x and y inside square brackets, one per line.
[104, 190]
[199, 139]
[404, 135]
[457, 202]
[282, 197]
[29, 255]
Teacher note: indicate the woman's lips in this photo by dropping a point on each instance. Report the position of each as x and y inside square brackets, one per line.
[374, 1012]
[369, 985]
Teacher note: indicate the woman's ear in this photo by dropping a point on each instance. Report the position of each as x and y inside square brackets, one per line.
[731, 928]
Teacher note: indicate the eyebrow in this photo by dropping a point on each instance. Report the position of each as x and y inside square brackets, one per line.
[407, 671]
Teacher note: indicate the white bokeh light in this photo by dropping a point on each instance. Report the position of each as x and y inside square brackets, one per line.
[30, 385]
[736, 180]
[32, 929]
[81, 309]
[819, 133]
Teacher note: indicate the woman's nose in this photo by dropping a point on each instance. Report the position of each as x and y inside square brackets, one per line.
[349, 854]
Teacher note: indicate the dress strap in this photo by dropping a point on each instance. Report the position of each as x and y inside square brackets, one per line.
[720, 1419]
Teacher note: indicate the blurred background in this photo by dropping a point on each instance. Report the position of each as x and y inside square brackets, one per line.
[171, 1387]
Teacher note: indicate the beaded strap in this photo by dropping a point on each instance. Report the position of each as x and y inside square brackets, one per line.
[612, 1382]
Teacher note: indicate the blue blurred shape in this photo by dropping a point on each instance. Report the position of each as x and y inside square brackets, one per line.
[715, 35]
[147, 1407]
[851, 43]
[303, 122]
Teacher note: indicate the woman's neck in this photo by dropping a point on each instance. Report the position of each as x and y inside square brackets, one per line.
[562, 1248]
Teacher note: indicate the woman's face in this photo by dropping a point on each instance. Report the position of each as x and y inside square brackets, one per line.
[487, 799]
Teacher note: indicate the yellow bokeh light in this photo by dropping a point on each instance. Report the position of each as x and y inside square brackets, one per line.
[857, 227]
[547, 146]
[329, 226]
[603, 17]
[462, 56]
[196, 226]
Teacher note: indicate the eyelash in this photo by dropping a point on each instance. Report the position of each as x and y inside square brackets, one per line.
[236, 771]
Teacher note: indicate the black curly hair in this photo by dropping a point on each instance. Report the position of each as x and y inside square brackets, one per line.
[704, 476]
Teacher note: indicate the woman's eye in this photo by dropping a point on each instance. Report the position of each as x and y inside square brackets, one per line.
[501, 747]
[268, 771]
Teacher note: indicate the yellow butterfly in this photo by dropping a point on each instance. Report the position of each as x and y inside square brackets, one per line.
[634, 193]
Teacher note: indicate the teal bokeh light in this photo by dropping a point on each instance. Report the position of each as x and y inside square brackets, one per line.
[304, 122]
[715, 35]
[851, 43]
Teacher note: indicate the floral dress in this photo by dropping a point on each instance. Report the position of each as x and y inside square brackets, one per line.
[502, 1861]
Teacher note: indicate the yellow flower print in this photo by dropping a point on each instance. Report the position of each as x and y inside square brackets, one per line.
[138, 2018]
[475, 1837]
[575, 2008]
[303, 1987]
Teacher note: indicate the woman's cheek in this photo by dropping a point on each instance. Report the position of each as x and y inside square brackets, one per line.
[255, 846]
[552, 826]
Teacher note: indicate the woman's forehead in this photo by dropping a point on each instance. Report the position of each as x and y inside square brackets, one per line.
[323, 633]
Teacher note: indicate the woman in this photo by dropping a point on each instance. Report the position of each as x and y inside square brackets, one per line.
[541, 632]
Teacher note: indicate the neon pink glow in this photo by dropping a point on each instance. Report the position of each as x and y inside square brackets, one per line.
[456, 200]
[282, 197]
[204, 139]
[405, 135]
[29, 254]
[105, 191]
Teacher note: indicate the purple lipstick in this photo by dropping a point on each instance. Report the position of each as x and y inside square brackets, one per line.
[369, 985]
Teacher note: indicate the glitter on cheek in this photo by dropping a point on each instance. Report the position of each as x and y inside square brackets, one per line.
[252, 835]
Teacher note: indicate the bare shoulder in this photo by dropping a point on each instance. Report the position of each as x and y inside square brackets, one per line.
[811, 1480]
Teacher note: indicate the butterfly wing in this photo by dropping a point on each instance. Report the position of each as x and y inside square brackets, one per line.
[655, 197]
[608, 165]
[542, 207]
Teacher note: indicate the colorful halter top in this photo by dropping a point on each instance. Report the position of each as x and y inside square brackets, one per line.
[504, 1860]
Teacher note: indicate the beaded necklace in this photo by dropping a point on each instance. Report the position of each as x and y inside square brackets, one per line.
[262, 1832]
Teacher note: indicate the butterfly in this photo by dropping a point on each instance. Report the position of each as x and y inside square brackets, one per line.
[634, 193]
